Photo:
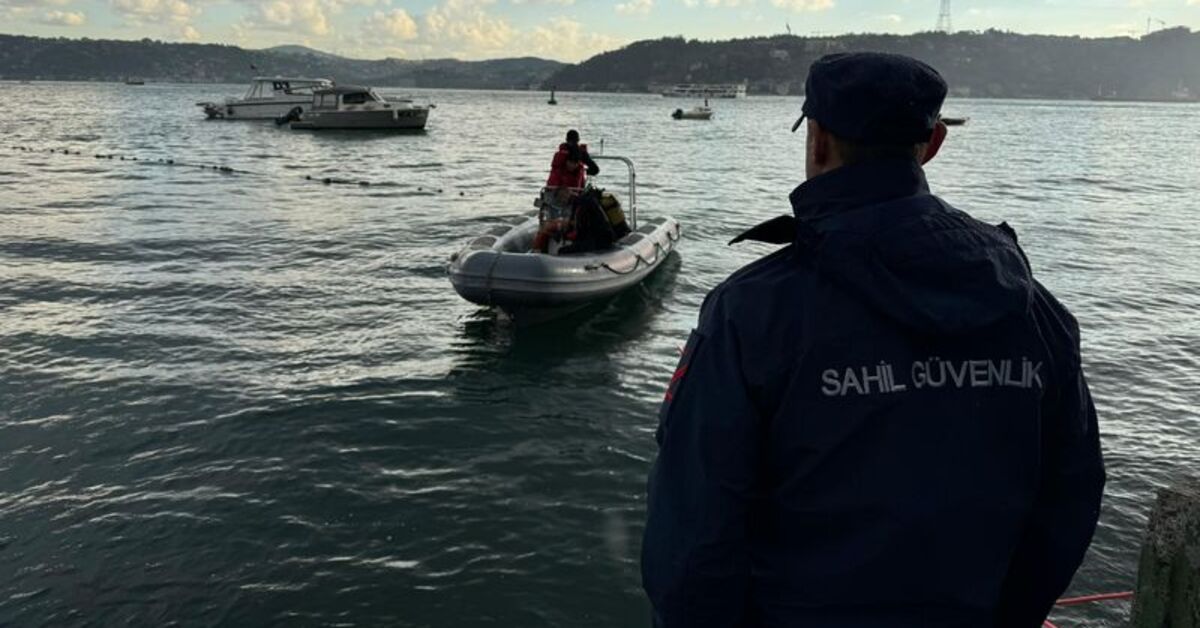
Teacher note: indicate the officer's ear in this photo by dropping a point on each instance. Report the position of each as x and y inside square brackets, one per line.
[820, 150]
[935, 142]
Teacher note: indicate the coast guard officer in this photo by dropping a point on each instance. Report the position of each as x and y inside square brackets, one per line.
[884, 424]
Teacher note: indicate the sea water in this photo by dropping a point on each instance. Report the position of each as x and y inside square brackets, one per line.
[250, 397]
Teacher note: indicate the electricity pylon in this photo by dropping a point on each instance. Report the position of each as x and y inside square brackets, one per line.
[944, 24]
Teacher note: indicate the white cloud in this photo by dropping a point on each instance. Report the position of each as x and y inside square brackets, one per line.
[565, 3]
[394, 24]
[803, 5]
[463, 27]
[635, 7]
[728, 3]
[890, 18]
[63, 18]
[547, 40]
[138, 12]
[310, 17]
[189, 33]
[304, 17]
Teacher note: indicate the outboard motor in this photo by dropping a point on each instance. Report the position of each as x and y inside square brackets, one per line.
[291, 116]
[677, 114]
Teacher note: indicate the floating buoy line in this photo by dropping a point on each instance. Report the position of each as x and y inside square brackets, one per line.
[226, 170]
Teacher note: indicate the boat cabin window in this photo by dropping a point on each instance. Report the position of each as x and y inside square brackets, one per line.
[281, 86]
[328, 101]
[355, 98]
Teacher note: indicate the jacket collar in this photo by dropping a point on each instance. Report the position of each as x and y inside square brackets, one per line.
[857, 185]
[844, 189]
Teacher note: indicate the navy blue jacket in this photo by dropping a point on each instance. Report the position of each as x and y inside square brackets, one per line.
[882, 425]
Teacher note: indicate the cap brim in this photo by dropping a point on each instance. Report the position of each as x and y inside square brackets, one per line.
[798, 121]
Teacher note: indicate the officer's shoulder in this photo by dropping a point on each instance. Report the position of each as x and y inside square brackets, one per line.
[1051, 312]
[1059, 328]
[749, 289]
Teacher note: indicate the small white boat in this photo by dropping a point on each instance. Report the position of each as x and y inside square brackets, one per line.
[268, 98]
[354, 107]
[695, 113]
[498, 268]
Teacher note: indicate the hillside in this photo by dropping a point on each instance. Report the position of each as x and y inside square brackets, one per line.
[110, 60]
[1162, 65]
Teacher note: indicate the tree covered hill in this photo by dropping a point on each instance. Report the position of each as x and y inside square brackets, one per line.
[1161, 65]
[111, 60]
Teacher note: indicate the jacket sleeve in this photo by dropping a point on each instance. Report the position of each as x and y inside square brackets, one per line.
[592, 168]
[695, 565]
[1064, 516]
[556, 169]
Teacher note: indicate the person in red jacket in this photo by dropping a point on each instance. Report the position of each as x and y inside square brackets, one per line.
[569, 170]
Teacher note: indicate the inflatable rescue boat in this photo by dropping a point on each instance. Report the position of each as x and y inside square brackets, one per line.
[499, 269]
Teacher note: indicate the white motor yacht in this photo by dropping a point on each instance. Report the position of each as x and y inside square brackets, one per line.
[268, 98]
[355, 107]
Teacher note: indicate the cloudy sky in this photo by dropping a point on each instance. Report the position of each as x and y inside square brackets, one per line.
[568, 30]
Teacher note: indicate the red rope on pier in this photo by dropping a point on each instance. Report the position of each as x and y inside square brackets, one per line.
[1099, 597]
[1087, 599]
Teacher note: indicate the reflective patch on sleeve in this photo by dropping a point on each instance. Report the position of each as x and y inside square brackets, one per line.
[678, 377]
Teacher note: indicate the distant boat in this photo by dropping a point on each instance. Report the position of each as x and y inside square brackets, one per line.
[1179, 94]
[954, 121]
[695, 113]
[130, 81]
[707, 90]
[553, 100]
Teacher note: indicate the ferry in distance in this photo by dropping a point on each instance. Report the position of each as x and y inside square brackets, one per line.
[707, 90]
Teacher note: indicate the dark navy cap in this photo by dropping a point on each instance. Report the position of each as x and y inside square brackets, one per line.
[874, 97]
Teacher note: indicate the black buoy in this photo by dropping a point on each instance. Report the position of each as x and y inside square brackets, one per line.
[553, 100]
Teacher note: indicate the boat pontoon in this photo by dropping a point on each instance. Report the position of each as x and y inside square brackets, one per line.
[499, 269]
